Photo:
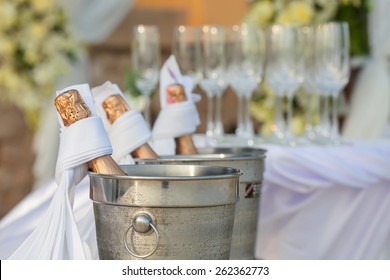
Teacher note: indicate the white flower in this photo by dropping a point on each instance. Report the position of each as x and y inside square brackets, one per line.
[261, 13]
[42, 6]
[7, 47]
[35, 47]
[7, 15]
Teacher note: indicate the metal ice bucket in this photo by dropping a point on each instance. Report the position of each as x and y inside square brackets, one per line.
[251, 162]
[165, 212]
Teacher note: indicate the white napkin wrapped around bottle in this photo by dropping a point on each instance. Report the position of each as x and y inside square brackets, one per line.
[128, 132]
[57, 236]
[174, 120]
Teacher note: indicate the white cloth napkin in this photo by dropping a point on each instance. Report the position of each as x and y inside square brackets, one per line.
[57, 235]
[128, 132]
[174, 120]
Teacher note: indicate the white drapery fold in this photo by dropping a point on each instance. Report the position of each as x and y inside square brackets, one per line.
[370, 105]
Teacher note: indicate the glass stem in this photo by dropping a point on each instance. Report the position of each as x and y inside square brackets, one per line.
[147, 110]
[240, 124]
[324, 117]
[289, 130]
[279, 120]
[335, 119]
[210, 123]
[248, 126]
[309, 113]
[218, 126]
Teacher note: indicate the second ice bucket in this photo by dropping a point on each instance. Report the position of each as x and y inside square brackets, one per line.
[165, 212]
[251, 162]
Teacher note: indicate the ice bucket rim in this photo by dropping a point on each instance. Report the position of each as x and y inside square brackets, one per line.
[202, 157]
[167, 191]
[234, 150]
[233, 173]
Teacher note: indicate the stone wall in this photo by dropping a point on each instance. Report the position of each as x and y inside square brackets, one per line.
[16, 158]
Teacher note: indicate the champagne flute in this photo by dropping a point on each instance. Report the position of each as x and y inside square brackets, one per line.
[213, 76]
[284, 74]
[186, 49]
[245, 65]
[332, 66]
[146, 62]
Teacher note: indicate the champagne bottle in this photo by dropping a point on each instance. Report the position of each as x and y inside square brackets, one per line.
[72, 108]
[115, 106]
[184, 144]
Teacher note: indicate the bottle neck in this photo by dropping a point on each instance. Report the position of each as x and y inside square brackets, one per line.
[105, 165]
[144, 151]
[185, 145]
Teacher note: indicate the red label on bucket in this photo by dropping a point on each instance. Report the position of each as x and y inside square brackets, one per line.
[252, 190]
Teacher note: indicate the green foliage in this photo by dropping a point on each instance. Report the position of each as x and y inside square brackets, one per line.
[356, 16]
[130, 82]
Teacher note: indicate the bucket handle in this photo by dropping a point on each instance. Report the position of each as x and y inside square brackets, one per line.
[141, 223]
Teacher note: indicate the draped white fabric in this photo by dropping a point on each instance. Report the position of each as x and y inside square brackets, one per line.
[22, 220]
[370, 105]
[324, 202]
[94, 20]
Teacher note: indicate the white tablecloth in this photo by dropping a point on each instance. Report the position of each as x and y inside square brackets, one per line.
[318, 202]
[325, 202]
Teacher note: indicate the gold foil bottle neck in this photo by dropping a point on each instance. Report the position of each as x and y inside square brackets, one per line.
[105, 165]
[175, 94]
[115, 106]
[185, 145]
[144, 151]
[71, 107]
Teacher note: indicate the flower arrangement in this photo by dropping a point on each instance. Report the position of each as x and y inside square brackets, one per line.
[36, 47]
[267, 12]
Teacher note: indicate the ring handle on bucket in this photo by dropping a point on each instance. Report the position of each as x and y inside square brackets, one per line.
[141, 223]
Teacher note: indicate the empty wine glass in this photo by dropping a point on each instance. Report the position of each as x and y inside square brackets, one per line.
[245, 50]
[186, 49]
[213, 76]
[146, 62]
[332, 66]
[284, 74]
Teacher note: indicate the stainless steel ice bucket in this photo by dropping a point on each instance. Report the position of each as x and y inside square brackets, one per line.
[251, 162]
[165, 212]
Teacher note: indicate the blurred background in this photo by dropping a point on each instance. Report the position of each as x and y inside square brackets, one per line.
[88, 41]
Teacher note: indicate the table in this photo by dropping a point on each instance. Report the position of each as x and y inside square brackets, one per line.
[318, 202]
[325, 202]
